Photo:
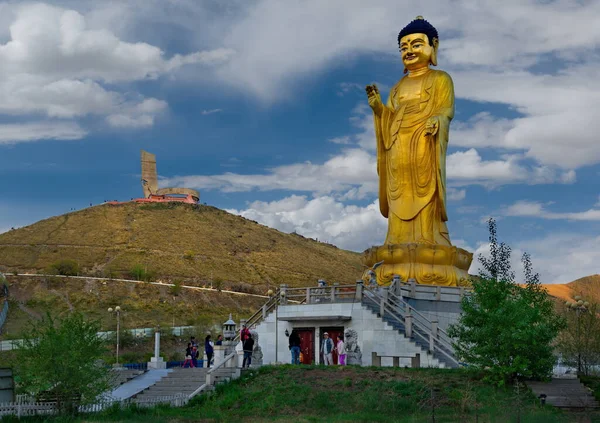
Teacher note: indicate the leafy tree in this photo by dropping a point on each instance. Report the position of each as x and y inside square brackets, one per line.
[579, 343]
[66, 267]
[506, 328]
[59, 360]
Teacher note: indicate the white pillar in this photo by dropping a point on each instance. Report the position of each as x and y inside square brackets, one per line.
[157, 344]
[157, 362]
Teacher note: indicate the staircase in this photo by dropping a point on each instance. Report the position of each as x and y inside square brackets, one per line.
[185, 382]
[564, 393]
[178, 382]
[396, 312]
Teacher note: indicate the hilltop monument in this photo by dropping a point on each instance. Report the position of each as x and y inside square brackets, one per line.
[150, 185]
[412, 129]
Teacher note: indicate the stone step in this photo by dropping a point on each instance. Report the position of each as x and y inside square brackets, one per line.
[174, 387]
[565, 393]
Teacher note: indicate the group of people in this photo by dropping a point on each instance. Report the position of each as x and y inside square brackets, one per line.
[192, 352]
[327, 349]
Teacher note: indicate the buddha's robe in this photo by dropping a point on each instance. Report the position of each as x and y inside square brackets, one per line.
[412, 165]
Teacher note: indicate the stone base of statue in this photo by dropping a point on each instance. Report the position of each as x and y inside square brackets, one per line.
[428, 264]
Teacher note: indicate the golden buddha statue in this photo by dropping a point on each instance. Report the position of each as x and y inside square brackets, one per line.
[412, 137]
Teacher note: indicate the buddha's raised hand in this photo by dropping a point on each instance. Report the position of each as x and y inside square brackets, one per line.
[374, 99]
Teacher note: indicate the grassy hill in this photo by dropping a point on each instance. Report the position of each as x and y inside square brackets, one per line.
[175, 241]
[352, 394]
[193, 244]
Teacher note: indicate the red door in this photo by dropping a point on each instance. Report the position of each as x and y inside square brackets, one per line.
[307, 345]
[334, 334]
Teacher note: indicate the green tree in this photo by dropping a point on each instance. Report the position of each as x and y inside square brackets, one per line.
[66, 267]
[59, 360]
[506, 328]
[579, 343]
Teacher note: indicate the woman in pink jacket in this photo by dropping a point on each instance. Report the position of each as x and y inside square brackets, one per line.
[341, 350]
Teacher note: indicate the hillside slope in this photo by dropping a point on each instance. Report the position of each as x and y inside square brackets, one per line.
[588, 287]
[176, 241]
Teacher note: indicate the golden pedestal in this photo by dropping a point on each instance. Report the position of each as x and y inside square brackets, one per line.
[428, 264]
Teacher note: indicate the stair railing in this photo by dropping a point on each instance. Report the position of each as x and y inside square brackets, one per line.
[416, 324]
[262, 312]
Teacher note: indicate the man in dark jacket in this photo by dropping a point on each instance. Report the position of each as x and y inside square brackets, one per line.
[295, 347]
[248, 348]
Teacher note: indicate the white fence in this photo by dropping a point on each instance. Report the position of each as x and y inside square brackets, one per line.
[26, 409]
[138, 333]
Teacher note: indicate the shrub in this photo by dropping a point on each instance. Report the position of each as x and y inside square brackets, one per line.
[65, 267]
[140, 273]
[176, 288]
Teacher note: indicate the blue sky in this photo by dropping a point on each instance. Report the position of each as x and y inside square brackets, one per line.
[260, 105]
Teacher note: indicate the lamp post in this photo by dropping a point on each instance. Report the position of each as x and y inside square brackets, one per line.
[579, 306]
[117, 311]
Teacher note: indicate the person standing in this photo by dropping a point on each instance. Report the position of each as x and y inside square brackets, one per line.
[208, 349]
[248, 348]
[327, 350]
[195, 352]
[341, 350]
[295, 347]
[244, 334]
[219, 340]
[188, 357]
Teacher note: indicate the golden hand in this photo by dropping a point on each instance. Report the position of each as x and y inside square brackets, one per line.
[374, 99]
[432, 125]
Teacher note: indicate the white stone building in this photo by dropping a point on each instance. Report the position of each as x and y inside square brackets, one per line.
[403, 325]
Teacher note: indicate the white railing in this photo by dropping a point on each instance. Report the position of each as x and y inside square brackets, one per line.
[417, 291]
[24, 409]
[10, 345]
[320, 294]
[416, 326]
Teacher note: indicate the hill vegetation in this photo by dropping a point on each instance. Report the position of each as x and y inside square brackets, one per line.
[171, 241]
[351, 394]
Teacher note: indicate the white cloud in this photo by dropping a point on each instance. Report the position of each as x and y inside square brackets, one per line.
[345, 140]
[353, 168]
[535, 209]
[468, 167]
[12, 133]
[54, 64]
[454, 194]
[323, 218]
[211, 111]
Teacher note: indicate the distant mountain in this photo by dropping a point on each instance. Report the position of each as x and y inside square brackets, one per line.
[587, 287]
[196, 243]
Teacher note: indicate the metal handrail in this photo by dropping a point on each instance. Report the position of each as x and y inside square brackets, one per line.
[257, 316]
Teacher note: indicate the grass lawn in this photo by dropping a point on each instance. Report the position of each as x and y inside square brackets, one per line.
[350, 394]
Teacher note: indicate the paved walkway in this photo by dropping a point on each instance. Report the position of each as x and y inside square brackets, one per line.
[138, 384]
[565, 393]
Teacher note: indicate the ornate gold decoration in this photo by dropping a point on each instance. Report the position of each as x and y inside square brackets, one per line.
[412, 137]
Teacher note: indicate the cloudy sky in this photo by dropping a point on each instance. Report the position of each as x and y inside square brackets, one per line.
[260, 105]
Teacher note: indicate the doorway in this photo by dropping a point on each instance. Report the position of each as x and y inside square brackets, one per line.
[307, 345]
[334, 333]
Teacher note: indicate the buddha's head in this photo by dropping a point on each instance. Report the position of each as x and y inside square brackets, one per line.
[418, 42]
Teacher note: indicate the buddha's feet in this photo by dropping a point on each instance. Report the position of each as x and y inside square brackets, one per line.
[427, 264]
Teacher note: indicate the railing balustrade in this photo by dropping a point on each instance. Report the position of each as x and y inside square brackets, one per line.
[415, 324]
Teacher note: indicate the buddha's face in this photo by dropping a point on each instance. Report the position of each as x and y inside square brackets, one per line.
[416, 51]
